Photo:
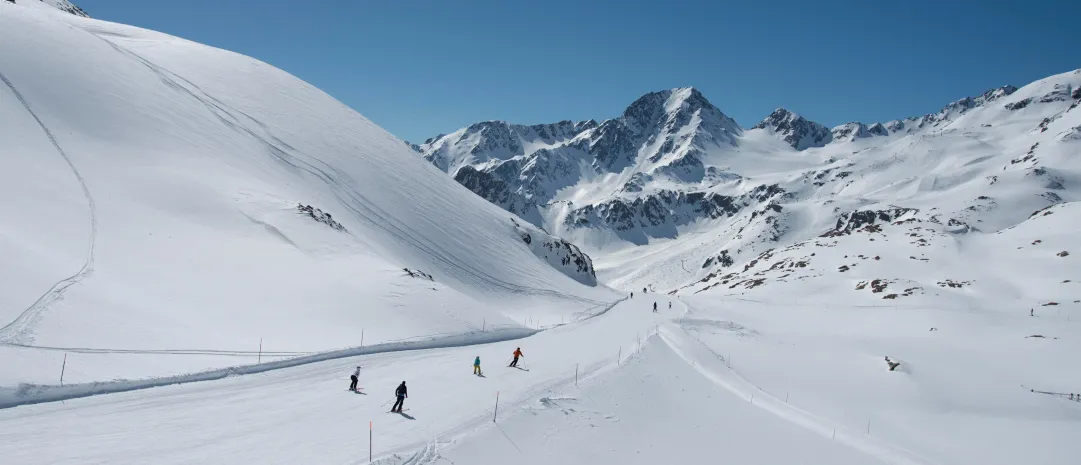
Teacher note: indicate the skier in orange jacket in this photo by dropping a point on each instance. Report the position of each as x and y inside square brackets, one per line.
[517, 353]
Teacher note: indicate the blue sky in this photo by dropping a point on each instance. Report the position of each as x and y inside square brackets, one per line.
[420, 68]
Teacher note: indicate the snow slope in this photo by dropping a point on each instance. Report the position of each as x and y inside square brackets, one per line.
[751, 381]
[304, 413]
[168, 196]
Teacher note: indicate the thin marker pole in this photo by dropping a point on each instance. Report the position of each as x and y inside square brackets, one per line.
[362, 337]
[260, 359]
[494, 415]
[620, 355]
[575, 375]
[369, 441]
[62, 368]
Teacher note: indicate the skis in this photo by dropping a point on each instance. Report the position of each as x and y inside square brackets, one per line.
[403, 410]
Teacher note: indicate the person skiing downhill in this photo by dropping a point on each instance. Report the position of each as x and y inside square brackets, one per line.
[401, 393]
[517, 353]
[654, 307]
[669, 304]
[476, 366]
[353, 378]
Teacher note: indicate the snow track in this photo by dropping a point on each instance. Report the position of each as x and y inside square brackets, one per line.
[713, 367]
[16, 331]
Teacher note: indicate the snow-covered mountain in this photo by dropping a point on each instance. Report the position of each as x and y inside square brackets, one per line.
[676, 181]
[797, 131]
[162, 194]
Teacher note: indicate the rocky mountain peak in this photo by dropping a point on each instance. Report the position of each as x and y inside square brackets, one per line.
[66, 6]
[850, 131]
[796, 130]
[673, 106]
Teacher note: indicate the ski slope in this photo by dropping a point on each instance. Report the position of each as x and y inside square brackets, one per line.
[720, 379]
[153, 187]
[154, 251]
[305, 413]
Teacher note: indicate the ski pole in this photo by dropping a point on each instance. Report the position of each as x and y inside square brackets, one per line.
[387, 402]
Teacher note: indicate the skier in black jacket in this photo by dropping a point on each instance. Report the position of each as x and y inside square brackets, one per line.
[401, 393]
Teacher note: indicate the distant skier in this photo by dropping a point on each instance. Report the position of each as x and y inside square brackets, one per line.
[476, 366]
[1030, 312]
[353, 378]
[517, 353]
[401, 393]
[669, 305]
[643, 290]
[654, 307]
[632, 294]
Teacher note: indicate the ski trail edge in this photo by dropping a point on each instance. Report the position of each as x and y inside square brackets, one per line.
[712, 367]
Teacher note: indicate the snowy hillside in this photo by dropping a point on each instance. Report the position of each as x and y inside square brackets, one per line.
[694, 196]
[166, 196]
[899, 293]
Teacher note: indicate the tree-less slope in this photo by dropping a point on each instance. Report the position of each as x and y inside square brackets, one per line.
[163, 194]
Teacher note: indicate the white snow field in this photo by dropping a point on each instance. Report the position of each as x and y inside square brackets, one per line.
[151, 190]
[152, 239]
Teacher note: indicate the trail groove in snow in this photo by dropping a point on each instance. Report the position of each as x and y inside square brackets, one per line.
[16, 330]
[713, 368]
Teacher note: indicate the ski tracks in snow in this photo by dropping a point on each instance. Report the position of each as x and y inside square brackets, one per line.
[16, 331]
[712, 366]
[335, 179]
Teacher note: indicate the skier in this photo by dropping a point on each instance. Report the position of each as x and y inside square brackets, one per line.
[632, 294]
[517, 353]
[353, 379]
[476, 366]
[654, 307]
[669, 305]
[1030, 312]
[401, 393]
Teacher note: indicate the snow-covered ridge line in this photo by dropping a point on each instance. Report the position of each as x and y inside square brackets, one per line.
[27, 394]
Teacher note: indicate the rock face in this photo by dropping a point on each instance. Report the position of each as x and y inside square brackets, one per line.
[870, 220]
[672, 167]
[66, 6]
[320, 216]
[561, 254]
[849, 132]
[660, 136]
[796, 130]
[495, 190]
